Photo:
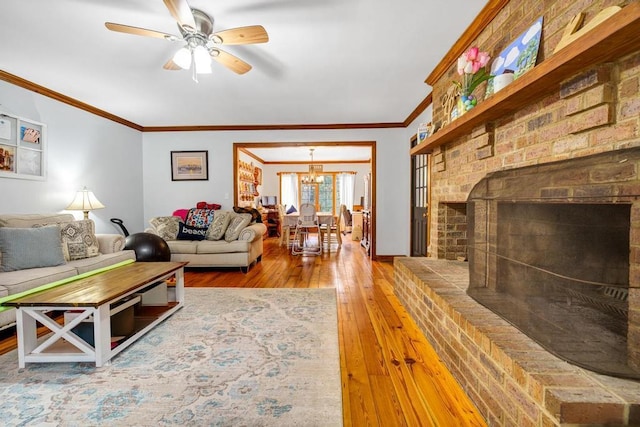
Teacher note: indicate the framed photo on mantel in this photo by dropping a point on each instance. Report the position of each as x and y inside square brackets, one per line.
[189, 166]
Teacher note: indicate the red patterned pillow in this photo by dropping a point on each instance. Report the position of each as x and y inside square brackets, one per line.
[199, 217]
[205, 205]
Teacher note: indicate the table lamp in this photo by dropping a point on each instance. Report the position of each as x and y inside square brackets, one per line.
[85, 201]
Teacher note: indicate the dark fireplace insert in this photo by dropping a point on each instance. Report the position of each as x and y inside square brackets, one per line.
[553, 249]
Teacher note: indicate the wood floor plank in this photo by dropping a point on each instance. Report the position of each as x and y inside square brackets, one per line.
[390, 374]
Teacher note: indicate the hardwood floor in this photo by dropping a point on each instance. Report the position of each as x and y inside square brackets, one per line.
[390, 374]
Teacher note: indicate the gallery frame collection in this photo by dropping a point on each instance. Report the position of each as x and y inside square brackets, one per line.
[189, 166]
[22, 148]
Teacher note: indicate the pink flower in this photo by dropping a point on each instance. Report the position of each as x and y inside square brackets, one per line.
[472, 54]
[471, 66]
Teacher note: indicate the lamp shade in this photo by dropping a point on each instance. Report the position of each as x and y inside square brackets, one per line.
[85, 201]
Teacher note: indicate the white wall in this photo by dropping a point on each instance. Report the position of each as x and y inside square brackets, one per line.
[162, 196]
[130, 172]
[82, 150]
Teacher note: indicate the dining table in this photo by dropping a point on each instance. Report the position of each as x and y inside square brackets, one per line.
[327, 219]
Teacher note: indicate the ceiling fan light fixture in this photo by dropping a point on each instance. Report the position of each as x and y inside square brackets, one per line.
[202, 60]
[182, 58]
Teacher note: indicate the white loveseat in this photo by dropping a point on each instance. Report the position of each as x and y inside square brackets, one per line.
[231, 240]
[82, 251]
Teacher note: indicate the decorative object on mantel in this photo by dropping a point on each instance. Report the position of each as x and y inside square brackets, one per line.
[449, 105]
[572, 33]
[502, 80]
[471, 66]
[424, 131]
[520, 56]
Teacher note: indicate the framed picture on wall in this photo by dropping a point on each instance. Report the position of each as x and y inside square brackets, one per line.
[22, 148]
[189, 165]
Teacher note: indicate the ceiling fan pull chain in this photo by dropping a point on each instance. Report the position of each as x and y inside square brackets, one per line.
[194, 74]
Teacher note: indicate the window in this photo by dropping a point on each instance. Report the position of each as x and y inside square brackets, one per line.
[332, 190]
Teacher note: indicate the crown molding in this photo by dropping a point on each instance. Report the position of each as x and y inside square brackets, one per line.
[26, 84]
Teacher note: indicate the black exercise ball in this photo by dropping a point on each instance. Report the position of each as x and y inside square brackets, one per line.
[148, 247]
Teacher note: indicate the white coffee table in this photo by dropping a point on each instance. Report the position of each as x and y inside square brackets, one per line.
[96, 297]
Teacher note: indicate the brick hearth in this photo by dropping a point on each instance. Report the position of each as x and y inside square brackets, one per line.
[510, 378]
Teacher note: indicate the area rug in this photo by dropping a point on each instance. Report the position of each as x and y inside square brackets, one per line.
[230, 357]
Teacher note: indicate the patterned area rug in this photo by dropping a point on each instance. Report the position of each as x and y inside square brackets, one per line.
[230, 357]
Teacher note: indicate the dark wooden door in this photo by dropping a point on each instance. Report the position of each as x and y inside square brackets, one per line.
[419, 205]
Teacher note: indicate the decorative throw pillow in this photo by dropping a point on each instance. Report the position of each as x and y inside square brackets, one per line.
[199, 217]
[291, 210]
[205, 205]
[30, 247]
[166, 226]
[237, 224]
[188, 232]
[219, 227]
[182, 213]
[256, 216]
[79, 240]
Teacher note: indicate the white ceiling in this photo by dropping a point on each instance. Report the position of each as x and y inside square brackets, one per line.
[327, 61]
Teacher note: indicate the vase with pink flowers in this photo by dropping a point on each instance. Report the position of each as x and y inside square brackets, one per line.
[472, 68]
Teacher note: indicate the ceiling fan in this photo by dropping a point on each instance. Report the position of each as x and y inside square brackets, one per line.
[196, 29]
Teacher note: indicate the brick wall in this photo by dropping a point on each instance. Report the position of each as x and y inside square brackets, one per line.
[594, 111]
[452, 231]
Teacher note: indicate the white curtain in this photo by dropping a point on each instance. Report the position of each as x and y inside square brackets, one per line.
[347, 183]
[289, 189]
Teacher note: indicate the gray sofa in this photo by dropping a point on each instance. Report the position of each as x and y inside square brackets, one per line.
[79, 256]
[234, 244]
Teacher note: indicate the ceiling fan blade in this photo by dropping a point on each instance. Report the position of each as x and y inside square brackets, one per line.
[139, 31]
[242, 35]
[230, 61]
[181, 12]
[170, 65]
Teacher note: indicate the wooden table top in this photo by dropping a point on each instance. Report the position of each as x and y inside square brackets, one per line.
[100, 288]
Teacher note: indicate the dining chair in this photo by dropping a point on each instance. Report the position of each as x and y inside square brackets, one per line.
[306, 225]
[286, 229]
[345, 220]
[330, 233]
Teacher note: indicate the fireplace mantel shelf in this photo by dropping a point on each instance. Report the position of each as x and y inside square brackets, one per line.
[612, 39]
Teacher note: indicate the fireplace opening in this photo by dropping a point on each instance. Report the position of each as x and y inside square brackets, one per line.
[562, 277]
[555, 250]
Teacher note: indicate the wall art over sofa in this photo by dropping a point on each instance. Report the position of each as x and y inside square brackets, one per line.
[189, 165]
[22, 148]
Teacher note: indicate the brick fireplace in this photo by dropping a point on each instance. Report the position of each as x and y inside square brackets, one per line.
[578, 105]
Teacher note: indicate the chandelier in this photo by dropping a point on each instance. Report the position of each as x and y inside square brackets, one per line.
[315, 172]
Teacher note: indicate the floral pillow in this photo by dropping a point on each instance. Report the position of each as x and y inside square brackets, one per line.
[166, 226]
[199, 217]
